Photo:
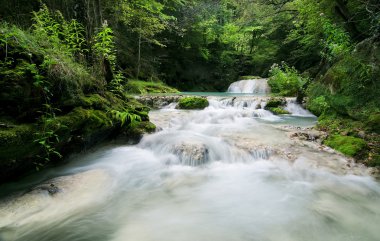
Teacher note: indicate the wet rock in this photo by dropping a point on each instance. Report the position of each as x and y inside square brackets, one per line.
[158, 101]
[51, 189]
[309, 135]
[191, 153]
[362, 134]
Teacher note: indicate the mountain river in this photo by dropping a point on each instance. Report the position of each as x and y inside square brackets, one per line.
[230, 172]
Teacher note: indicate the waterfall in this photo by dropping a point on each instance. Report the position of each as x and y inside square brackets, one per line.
[252, 86]
[296, 109]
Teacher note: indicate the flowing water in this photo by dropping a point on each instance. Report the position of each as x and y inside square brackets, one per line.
[227, 173]
[252, 86]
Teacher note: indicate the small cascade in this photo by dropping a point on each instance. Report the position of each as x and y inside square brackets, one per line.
[296, 109]
[261, 154]
[252, 86]
[236, 102]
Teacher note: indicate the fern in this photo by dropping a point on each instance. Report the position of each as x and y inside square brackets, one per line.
[126, 117]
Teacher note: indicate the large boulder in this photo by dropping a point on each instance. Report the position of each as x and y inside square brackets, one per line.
[192, 153]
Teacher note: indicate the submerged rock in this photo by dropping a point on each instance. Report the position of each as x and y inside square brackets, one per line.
[51, 189]
[310, 135]
[65, 195]
[192, 153]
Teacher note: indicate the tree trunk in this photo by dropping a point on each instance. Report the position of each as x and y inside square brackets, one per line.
[342, 10]
[252, 42]
[139, 54]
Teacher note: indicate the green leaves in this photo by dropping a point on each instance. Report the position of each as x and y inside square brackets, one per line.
[104, 45]
[73, 36]
[146, 17]
[285, 80]
[125, 117]
[47, 139]
[336, 42]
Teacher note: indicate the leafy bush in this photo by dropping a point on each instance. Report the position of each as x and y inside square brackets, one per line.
[318, 105]
[104, 45]
[285, 80]
[192, 102]
[336, 41]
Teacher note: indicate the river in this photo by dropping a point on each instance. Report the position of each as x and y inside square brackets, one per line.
[231, 172]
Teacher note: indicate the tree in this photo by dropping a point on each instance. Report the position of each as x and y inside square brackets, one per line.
[146, 18]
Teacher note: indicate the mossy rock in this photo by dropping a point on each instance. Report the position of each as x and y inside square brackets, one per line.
[135, 132]
[275, 102]
[16, 141]
[374, 160]
[81, 121]
[373, 122]
[192, 102]
[348, 145]
[17, 150]
[278, 111]
[94, 101]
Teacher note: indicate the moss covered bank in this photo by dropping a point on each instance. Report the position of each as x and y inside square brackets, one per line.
[346, 97]
[53, 104]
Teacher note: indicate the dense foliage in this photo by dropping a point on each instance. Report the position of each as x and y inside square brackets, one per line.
[285, 80]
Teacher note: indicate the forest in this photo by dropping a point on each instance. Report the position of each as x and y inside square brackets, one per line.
[68, 68]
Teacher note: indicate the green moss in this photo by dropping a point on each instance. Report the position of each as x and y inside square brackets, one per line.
[348, 145]
[192, 102]
[144, 87]
[82, 122]
[278, 111]
[249, 77]
[94, 101]
[336, 124]
[142, 128]
[16, 142]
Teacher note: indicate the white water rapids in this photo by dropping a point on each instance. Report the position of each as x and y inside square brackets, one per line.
[226, 173]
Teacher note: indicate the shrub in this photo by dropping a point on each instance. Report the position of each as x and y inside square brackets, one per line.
[285, 80]
[318, 105]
